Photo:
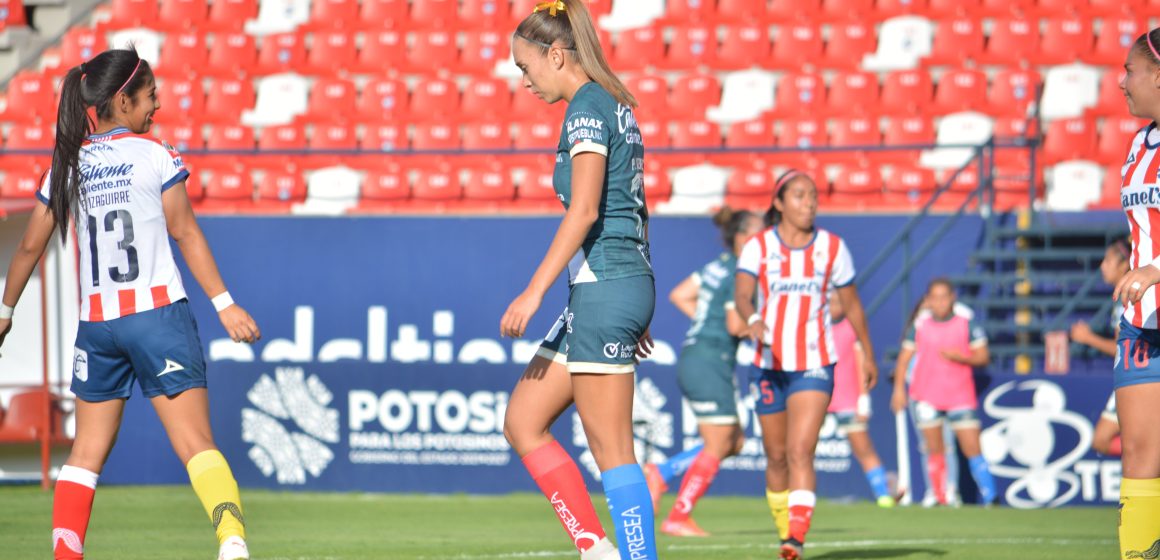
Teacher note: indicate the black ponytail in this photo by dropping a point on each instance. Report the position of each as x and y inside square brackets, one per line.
[730, 222]
[92, 84]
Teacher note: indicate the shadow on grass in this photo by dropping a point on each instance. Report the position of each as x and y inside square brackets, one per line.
[852, 554]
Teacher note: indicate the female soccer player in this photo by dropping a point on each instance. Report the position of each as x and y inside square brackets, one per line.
[126, 192]
[850, 403]
[946, 345]
[705, 372]
[789, 271]
[589, 355]
[1137, 378]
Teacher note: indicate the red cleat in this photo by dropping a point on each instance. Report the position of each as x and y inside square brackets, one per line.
[656, 485]
[791, 550]
[686, 528]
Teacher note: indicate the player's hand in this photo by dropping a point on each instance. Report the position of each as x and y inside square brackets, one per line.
[1133, 285]
[1081, 332]
[240, 326]
[869, 374]
[898, 401]
[515, 319]
[953, 355]
[756, 331]
[5, 326]
[644, 347]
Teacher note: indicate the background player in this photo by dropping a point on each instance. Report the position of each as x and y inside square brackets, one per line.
[785, 276]
[589, 355]
[705, 372]
[126, 192]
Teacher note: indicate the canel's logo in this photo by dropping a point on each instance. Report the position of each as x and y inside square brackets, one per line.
[291, 426]
[652, 427]
[1021, 445]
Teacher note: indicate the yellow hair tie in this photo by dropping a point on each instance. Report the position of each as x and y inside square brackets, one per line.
[552, 7]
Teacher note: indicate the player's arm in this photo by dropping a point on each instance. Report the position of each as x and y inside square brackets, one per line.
[28, 253]
[852, 303]
[734, 323]
[744, 287]
[898, 399]
[1082, 333]
[587, 183]
[183, 228]
[684, 296]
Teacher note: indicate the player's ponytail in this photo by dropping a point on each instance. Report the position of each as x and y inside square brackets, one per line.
[1148, 45]
[570, 23]
[92, 84]
[730, 222]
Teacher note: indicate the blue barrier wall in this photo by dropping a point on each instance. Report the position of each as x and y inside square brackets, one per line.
[381, 366]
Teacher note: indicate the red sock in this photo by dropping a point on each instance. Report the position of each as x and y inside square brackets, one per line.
[72, 503]
[696, 482]
[1116, 447]
[801, 512]
[560, 480]
[936, 465]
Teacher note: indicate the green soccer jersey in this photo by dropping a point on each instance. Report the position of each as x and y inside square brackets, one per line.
[714, 298]
[616, 246]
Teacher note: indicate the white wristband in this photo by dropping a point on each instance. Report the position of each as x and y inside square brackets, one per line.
[6, 311]
[863, 406]
[222, 301]
[754, 319]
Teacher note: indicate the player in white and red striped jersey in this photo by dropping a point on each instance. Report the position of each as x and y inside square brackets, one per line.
[1137, 367]
[785, 276]
[126, 194]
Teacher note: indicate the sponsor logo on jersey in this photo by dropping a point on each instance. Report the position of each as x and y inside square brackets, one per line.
[817, 373]
[617, 350]
[1149, 196]
[81, 364]
[170, 367]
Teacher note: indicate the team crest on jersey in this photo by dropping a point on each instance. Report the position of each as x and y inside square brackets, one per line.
[1131, 159]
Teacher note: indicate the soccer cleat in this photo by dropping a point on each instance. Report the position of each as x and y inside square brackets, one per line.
[885, 502]
[602, 550]
[686, 528]
[656, 485]
[791, 549]
[233, 549]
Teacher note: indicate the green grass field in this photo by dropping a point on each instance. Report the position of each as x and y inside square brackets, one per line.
[168, 523]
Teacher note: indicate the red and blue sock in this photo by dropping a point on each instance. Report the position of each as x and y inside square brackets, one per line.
[678, 464]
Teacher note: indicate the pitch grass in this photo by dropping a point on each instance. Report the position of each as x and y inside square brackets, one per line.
[168, 523]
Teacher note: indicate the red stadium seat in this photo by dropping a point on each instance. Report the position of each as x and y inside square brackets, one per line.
[778, 10]
[289, 137]
[182, 15]
[437, 189]
[1111, 101]
[27, 417]
[331, 137]
[698, 134]
[230, 15]
[692, 47]
[79, 45]
[181, 100]
[797, 45]
[12, 15]
[281, 52]
[227, 98]
[19, 184]
[961, 89]
[909, 187]
[750, 187]
[385, 188]
[841, 10]
[132, 13]
[433, 137]
[182, 54]
[227, 138]
[489, 187]
[1117, 33]
[484, 14]
[1116, 137]
[1110, 189]
[280, 189]
[854, 131]
[1006, 8]
[657, 186]
[744, 46]
[380, 15]
[907, 92]
[1012, 91]
[384, 137]
[29, 137]
[1060, 8]
[856, 187]
[638, 48]
[485, 99]
[435, 14]
[535, 192]
[540, 138]
[184, 136]
[526, 107]
[885, 9]
[432, 50]
[228, 190]
[1065, 41]
[482, 50]
[800, 133]
[1121, 8]
[1012, 41]
[231, 54]
[490, 135]
[1069, 139]
[194, 189]
[382, 52]
[906, 131]
[685, 12]
[749, 134]
[956, 40]
[849, 42]
[331, 14]
[652, 94]
[693, 93]
[947, 9]
[1015, 130]
[29, 99]
[854, 93]
[435, 100]
[331, 52]
[800, 94]
[655, 133]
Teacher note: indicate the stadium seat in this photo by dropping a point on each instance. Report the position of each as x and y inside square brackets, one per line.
[437, 189]
[1068, 91]
[282, 52]
[29, 99]
[539, 140]
[278, 16]
[488, 188]
[694, 93]
[1059, 8]
[229, 189]
[757, 133]
[1116, 35]
[842, 10]
[686, 12]
[1006, 8]
[853, 131]
[229, 15]
[30, 414]
[1013, 188]
[698, 134]
[441, 137]
[535, 192]
[435, 99]
[194, 188]
[1116, 137]
[132, 13]
[385, 188]
[657, 187]
[963, 188]
[692, 47]
[332, 14]
[231, 55]
[905, 131]
[1012, 41]
[1110, 189]
[331, 53]
[331, 191]
[652, 94]
[482, 50]
[384, 136]
[279, 189]
[281, 98]
[486, 99]
[854, 93]
[381, 15]
[907, 92]
[849, 43]
[777, 10]
[626, 16]
[382, 52]
[743, 47]
[745, 96]
[488, 135]
[959, 129]
[1110, 98]
[281, 138]
[1017, 131]
[800, 94]
[961, 89]
[183, 54]
[1013, 91]
[1075, 185]
[956, 40]
[227, 98]
[484, 14]
[638, 48]
[12, 14]
[146, 42]
[79, 45]
[655, 134]
[902, 43]
[750, 187]
[331, 137]
[432, 50]
[178, 16]
[19, 184]
[184, 136]
[894, 8]
[331, 100]
[226, 138]
[856, 188]
[1112, 8]
[435, 14]
[181, 100]
[1069, 139]
[909, 187]
[1065, 41]
[799, 133]
[696, 190]
[526, 107]
[797, 45]
[28, 137]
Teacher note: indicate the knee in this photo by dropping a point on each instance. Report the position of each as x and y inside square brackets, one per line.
[777, 459]
[738, 443]
[800, 456]
[523, 437]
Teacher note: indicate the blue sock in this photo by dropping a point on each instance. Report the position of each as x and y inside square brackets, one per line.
[632, 512]
[877, 479]
[982, 475]
[678, 464]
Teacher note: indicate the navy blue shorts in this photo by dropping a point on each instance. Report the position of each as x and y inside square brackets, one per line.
[1141, 362]
[159, 347]
[775, 387]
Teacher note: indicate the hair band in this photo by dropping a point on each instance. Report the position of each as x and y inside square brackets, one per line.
[552, 7]
[130, 78]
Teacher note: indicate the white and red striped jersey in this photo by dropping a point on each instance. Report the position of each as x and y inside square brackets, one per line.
[1140, 196]
[793, 287]
[126, 264]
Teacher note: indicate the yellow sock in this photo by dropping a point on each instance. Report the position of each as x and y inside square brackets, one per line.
[779, 507]
[1139, 510]
[218, 491]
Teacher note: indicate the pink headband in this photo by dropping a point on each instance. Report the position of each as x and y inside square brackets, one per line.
[1156, 54]
[130, 78]
[785, 179]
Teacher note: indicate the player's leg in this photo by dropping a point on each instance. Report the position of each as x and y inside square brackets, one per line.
[1106, 435]
[930, 424]
[721, 441]
[806, 412]
[691, 371]
[867, 456]
[1140, 487]
[771, 413]
[965, 423]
